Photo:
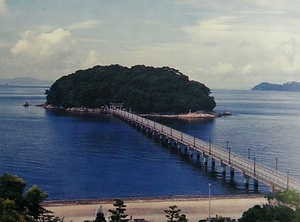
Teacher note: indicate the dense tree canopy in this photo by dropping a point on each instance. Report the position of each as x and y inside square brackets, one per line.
[15, 206]
[283, 206]
[143, 89]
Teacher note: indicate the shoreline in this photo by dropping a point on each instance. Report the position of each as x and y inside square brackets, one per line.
[190, 115]
[108, 200]
[152, 208]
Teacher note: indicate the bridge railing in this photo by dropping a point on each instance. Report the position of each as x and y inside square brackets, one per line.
[248, 167]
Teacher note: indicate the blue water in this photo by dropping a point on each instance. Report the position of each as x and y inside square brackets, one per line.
[76, 157]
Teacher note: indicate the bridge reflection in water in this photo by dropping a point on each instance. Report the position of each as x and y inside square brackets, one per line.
[194, 146]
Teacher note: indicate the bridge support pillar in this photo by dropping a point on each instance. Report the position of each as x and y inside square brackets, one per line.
[175, 143]
[205, 159]
[255, 184]
[168, 141]
[213, 162]
[198, 156]
[231, 173]
[186, 149]
[153, 133]
[246, 181]
[223, 169]
[178, 147]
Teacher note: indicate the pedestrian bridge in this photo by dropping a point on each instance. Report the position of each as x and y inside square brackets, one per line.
[229, 161]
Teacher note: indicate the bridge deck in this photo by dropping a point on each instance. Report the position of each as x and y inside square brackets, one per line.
[273, 178]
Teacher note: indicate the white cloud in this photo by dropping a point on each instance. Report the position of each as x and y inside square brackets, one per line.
[84, 25]
[92, 59]
[221, 69]
[286, 57]
[44, 46]
[43, 54]
[248, 69]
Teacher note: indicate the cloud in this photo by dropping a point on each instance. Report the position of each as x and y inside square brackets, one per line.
[3, 7]
[221, 69]
[84, 25]
[286, 57]
[44, 46]
[92, 59]
[46, 54]
[275, 6]
[248, 69]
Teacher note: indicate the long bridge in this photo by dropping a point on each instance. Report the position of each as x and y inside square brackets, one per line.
[249, 169]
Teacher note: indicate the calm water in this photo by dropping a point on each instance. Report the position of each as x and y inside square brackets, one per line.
[75, 157]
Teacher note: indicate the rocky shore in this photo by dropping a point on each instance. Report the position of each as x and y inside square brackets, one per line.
[75, 109]
[190, 115]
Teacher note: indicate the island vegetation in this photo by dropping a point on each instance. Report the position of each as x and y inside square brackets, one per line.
[141, 88]
[289, 86]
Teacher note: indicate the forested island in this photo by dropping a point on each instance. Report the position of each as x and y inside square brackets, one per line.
[289, 86]
[142, 88]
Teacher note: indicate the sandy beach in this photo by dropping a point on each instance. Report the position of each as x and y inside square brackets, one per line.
[151, 209]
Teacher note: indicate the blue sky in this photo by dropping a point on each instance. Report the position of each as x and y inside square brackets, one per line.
[232, 44]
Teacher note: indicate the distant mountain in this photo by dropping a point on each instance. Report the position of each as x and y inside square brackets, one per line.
[289, 86]
[26, 81]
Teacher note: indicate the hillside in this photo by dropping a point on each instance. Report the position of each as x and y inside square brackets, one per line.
[143, 89]
[290, 86]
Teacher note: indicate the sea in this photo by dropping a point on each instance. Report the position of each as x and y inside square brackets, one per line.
[100, 156]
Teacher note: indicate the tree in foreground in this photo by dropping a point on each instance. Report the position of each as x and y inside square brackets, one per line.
[172, 213]
[15, 206]
[119, 213]
[100, 218]
[283, 206]
[182, 218]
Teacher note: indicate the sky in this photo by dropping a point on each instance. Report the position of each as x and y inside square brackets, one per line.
[232, 44]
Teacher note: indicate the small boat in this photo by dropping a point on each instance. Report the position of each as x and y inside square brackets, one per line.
[25, 104]
[226, 113]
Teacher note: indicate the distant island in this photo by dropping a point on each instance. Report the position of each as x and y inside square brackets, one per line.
[144, 89]
[26, 81]
[289, 86]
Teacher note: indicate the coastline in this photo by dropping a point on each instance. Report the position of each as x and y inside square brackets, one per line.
[152, 208]
[190, 115]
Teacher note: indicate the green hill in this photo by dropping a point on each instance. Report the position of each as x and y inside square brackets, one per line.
[143, 89]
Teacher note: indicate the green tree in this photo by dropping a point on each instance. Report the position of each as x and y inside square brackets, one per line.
[172, 213]
[182, 218]
[100, 218]
[119, 213]
[286, 197]
[12, 188]
[268, 213]
[17, 207]
[34, 198]
[283, 206]
[10, 212]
